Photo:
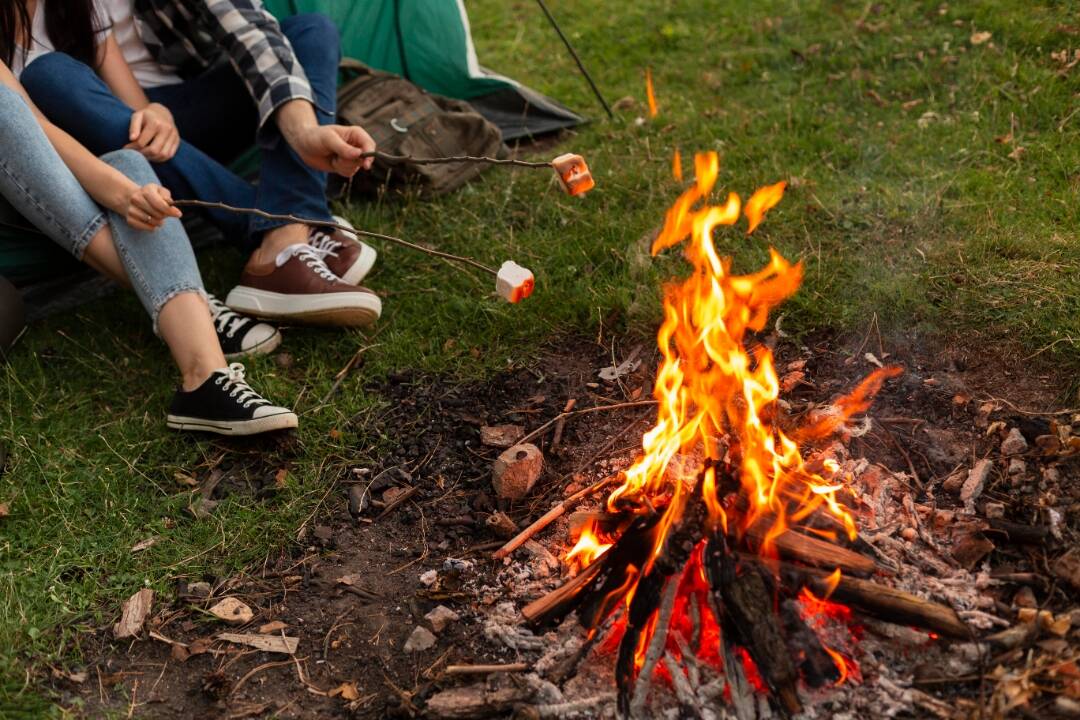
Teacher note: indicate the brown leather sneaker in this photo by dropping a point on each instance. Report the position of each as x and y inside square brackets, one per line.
[347, 257]
[298, 286]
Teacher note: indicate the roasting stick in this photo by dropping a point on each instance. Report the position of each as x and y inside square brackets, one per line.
[335, 226]
[483, 160]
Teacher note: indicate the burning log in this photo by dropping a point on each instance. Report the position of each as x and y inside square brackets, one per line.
[884, 603]
[743, 599]
[820, 553]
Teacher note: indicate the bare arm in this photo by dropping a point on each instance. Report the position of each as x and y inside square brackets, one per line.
[152, 130]
[105, 184]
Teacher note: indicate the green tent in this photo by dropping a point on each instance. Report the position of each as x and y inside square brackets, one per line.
[427, 41]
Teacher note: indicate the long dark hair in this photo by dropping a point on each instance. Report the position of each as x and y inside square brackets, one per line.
[72, 26]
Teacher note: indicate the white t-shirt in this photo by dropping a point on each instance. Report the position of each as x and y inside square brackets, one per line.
[111, 16]
[40, 44]
[146, 70]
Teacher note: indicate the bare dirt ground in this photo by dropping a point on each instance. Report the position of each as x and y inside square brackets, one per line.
[352, 591]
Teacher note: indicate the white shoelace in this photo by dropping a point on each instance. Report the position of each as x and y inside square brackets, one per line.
[323, 243]
[231, 380]
[226, 320]
[310, 257]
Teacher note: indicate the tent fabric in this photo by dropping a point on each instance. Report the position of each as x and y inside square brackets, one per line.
[430, 43]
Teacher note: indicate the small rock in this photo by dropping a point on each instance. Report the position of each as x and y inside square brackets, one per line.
[516, 471]
[1017, 467]
[284, 360]
[393, 494]
[456, 565]
[421, 639]
[198, 590]
[232, 611]
[994, 510]
[1014, 443]
[324, 535]
[502, 436]
[359, 500]
[440, 617]
[1025, 598]
[954, 482]
[427, 579]
[501, 524]
[909, 534]
[1067, 568]
[975, 483]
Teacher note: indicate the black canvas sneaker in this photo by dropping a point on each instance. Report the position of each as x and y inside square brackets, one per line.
[226, 404]
[239, 335]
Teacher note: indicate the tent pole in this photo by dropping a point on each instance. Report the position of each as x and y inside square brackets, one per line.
[573, 54]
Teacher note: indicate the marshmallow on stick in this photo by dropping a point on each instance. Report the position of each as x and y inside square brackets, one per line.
[514, 283]
[574, 174]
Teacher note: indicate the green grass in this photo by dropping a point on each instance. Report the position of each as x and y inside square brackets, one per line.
[918, 215]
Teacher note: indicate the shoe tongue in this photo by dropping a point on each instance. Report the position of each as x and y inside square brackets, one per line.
[284, 255]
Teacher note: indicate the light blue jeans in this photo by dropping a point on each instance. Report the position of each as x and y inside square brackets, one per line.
[33, 178]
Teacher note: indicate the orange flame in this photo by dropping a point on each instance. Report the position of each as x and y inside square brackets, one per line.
[676, 166]
[649, 94]
[761, 202]
[588, 547]
[717, 398]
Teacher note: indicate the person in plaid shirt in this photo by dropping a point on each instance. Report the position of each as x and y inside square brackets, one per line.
[192, 84]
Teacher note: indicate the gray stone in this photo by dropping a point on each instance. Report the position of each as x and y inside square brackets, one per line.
[421, 639]
[975, 483]
[440, 617]
[516, 471]
[1014, 443]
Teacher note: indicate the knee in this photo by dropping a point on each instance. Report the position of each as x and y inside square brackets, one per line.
[14, 112]
[53, 73]
[314, 37]
[133, 165]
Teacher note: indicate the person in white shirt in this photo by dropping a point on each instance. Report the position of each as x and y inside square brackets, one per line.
[193, 117]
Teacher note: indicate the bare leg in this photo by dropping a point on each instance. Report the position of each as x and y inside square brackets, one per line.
[101, 255]
[185, 326]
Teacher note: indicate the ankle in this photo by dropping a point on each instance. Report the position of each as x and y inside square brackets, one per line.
[276, 240]
[195, 376]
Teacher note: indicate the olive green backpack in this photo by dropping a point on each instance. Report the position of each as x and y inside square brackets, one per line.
[405, 120]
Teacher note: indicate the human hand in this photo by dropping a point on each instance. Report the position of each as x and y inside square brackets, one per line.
[153, 133]
[148, 207]
[334, 148]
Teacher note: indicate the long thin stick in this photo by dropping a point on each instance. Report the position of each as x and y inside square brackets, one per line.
[573, 54]
[335, 226]
[549, 517]
[599, 408]
[456, 159]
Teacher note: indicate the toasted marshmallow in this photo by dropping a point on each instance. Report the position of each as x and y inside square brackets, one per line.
[574, 174]
[514, 283]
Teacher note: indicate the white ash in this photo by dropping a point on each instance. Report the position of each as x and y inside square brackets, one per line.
[504, 626]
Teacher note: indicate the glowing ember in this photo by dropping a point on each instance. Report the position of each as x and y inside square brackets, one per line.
[717, 448]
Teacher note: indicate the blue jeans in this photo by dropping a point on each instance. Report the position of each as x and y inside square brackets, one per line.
[217, 120]
[34, 179]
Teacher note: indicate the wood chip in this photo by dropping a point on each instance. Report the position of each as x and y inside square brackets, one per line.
[232, 611]
[134, 613]
[266, 643]
[272, 627]
[144, 544]
[347, 691]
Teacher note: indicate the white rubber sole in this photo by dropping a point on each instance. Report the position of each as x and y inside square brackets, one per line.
[269, 423]
[344, 309]
[362, 266]
[267, 346]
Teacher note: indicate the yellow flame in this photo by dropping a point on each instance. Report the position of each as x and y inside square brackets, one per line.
[650, 94]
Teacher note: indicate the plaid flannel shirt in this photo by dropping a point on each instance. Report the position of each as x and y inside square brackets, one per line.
[188, 37]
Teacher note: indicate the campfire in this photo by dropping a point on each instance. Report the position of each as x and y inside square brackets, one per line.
[728, 542]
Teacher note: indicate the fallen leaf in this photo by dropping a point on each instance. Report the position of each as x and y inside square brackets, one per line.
[612, 374]
[980, 37]
[1017, 153]
[133, 615]
[878, 100]
[232, 611]
[279, 478]
[185, 479]
[912, 104]
[266, 643]
[272, 627]
[199, 646]
[144, 544]
[502, 436]
[347, 691]
[4, 510]
[78, 677]
[180, 653]
[1004, 139]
